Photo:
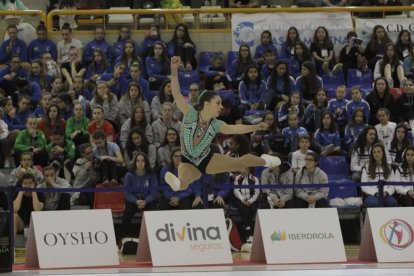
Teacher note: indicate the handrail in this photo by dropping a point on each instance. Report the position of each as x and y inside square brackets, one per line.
[223, 11]
[40, 13]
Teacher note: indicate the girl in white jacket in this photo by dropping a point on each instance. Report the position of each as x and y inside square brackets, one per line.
[378, 170]
[405, 173]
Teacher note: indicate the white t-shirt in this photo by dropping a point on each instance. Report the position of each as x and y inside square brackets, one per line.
[64, 48]
[386, 132]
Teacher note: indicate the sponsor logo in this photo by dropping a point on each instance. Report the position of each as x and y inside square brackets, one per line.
[279, 235]
[244, 34]
[75, 238]
[397, 233]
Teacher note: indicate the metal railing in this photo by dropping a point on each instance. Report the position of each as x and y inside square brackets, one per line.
[38, 13]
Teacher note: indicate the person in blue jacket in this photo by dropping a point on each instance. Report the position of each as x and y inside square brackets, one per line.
[12, 46]
[135, 76]
[183, 46]
[158, 65]
[266, 42]
[252, 89]
[32, 89]
[41, 45]
[152, 36]
[98, 42]
[142, 178]
[9, 75]
[116, 80]
[118, 46]
[98, 66]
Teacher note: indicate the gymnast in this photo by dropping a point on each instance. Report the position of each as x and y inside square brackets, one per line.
[199, 128]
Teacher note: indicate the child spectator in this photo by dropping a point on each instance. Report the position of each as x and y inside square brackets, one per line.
[298, 157]
[270, 140]
[269, 64]
[385, 128]
[275, 198]
[326, 136]
[252, 90]
[337, 107]
[300, 55]
[116, 80]
[280, 84]
[292, 132]
[379, 97]
[55, 201]
[357, 102]
[85, 176]
[129, 56]
[266, 42]
[61, 154]
[288, 47]
[157, 64]
[98, 66]
[312, 118]
[354, 127]
[323, 52]
[294, 104]
[308, 82]
[25, 166]
[216, 73]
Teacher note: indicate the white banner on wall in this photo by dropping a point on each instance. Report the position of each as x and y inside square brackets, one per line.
[247, 28]
[364, 27]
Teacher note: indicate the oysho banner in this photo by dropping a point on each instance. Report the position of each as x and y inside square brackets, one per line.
[246, 29]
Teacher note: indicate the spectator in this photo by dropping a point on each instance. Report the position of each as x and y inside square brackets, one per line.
[129, 56]
[385, 128]
[33, 140]
[379, 97]
[351, 55]
[110, 157]
[403, 44]
[337, 107]
[357, 102]
[157, 64]
[12, 46]
[137, 143]
[280, 84]
[298, 157]
[398, 145]
[326, 138]
[51, 121]
[118, 46]
[312, 117]
[266, 42]
[378, 170]
[375, 49]
[390, 67]
[292, 132]
[67, 20]
[152, 36]
[142, 178]
[354, 127]
[104, 98]
[300, 55]
[24, 87]
[98, 123]
[288, 47]
[57, 87]
[252, 90]
[158, 101]
[270, 140]
[311, 174]
[15, 118]
[137, 119]
[171, 141]
[194, 94]
[61, 154]
[55, 200]
[50, 67]
[136, 76]
[80, 92]
[181, 45]
[170, 199]
[132, 98]
[403, 108]
[98, 66]
[408, 64]
[269, 64]
[9, 76]
[68, 42]
[275, 198]
[41, 45]
[293, 104]
[26, 202]
[230, 113]
[308, 82]
[323, 52]
[26, 166]
[116, 80]
[38, 76]
[161, 125]
[216, 73]
[99, 42]
[404, 173]
[238, 68]
[72, 67]
[65, 104]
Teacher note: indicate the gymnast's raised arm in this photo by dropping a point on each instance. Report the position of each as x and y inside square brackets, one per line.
[182, 105]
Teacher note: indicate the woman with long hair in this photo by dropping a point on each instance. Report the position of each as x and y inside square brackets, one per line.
[379, 97]
[375, 49]
[237, 69]
[390, 67]
[308, 82]
[157, 64]
[104, 98]
[133, 97]
[288, 47]
[181, 45]
[137, 142]
[280, 84]
[399, 143]
[172, 140]
[405, 173]
[52, 120]
[137, 119]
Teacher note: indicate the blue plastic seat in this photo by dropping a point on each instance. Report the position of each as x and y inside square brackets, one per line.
[258, 113]
[332, 81]
[336, 167]
[230, 95]
[186, 79]
[204, 60]
[231, 56]
[362, 79]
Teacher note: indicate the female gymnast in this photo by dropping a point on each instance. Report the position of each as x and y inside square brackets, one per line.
[198, 130]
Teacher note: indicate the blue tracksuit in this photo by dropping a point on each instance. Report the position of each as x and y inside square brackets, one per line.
[34, 93]
[324, 137]
[118, 47]
[251, 93]
[333, 105]
[351, 134]
[36, 79]
[19, 49]
[102, 44]
[154, 69]
[261, 50]
[37, 48]
[289, 131]
[146, 184]
[13, 123]
[286, 51]
[120, 88]
[91, 71]
[362, 104]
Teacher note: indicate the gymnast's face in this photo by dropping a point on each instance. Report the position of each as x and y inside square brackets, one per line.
[214, 106]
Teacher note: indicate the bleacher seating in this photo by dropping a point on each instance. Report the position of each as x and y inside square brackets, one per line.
[331, 82]
[360, 78]
[186, 79]
[205, 58]
[109, 200]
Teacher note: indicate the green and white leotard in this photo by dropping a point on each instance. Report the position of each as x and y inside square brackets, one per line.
[196, 154]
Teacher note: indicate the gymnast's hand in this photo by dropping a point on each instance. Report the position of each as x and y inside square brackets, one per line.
[262, 126]
[175, 61]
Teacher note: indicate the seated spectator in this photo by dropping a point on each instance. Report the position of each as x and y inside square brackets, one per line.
[160, 126]
[136, 76]
[266, 42]
[181, 45]
[26, 166]
[280, 85]
[56, 87]
[252, 90]
[5, 142]
[390, 67]
[132, 98]
[402, 109]
[323, 52]
[194, 94]
[292, 133]
[326, 138]
[152, 36]
[298, 156]
[140, 177]
[110, 156]
[103, 97]
[311, 174]
[230, 113]
[301, 54]
[98, 66]
[312, 117]
[136, 143]
[378, 170]
[408, 63]
[130, 56]
[137, 119]
[157, 64]
[65, 104]
[77, 126]
[398, 145]
[308, 82]
[38, 76]
[31, 89]
[275, 198]
[54, 200]
[15, 118]
[68, 42]
[385, 128]
[44, 104]
[216, 73]
[118, 46]
[379, 97]
[51, 121]
[246, 202]
[41, 45]
[116, 80]
[164, 96]
[357, 102]
[375, 49]
[351, 55]
[404, 173]
[85, 175]
[80, 92]
[337, 107]
[9, 76]
[288, 47]
[170, 199]
[171, 141]
[50, 67]
[12, 46]
[270, 140]
[33, 140]
[72, 67]
[61, 154]
[98, 123]
[293, 104]
[26, 202]
[99, 42]
[354, 128]
[238, 67]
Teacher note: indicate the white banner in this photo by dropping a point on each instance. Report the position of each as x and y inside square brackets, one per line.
[75, 238]
[247, 28]
[388, 235]
[187, 237]
[298, 236]
[364, 27]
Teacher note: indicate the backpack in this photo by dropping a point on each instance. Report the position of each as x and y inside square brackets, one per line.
[129, 246]
[234, 236]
